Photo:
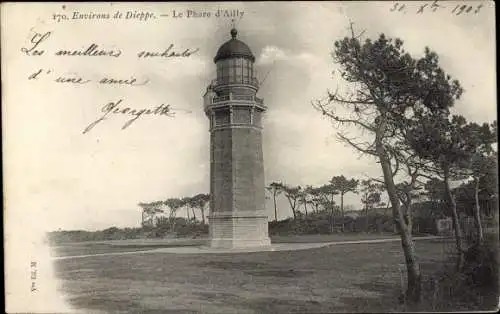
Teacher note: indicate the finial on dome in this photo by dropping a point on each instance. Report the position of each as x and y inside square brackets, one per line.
[234, 32]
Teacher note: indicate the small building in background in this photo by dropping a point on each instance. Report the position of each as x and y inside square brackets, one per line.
[444, 226]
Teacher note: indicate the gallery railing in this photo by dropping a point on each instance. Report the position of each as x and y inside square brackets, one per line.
[252, 81]
[231, 97]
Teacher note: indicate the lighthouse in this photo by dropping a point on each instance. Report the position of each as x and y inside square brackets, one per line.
[237, 216]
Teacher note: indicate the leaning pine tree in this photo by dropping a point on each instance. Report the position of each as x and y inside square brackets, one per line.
[385, 90]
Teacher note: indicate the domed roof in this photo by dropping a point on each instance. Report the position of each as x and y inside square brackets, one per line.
[234, 48]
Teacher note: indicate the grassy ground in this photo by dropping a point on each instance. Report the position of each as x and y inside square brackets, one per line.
[87, 248]
[97, 247]
[317, 238]
[342, 278]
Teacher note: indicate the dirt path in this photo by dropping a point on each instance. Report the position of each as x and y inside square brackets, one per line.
[273, 247]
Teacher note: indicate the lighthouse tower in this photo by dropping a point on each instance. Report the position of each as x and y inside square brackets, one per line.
[237, 215]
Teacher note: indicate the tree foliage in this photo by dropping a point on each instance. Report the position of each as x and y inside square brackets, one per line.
[200, 201]
[293, 195]
[275, 188]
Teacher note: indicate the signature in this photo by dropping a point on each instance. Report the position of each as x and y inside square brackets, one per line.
[117, 109]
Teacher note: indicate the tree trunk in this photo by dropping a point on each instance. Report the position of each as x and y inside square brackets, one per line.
[477, 213]
[202, 209]
[172, 220]
[332, 220]
[366, 217]
[407, 213]
[455, 220]
[332, 213]
[292, 206]
[496, 213]
[305, 207]
[342, 209]
[412, 266]
[194, 214]
[187, 212]
[275, 208]
[410, 219]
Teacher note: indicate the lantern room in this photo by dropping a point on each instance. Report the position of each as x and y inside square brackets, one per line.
[234, 61]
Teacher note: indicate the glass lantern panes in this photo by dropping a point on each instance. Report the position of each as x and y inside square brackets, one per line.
[235, 70]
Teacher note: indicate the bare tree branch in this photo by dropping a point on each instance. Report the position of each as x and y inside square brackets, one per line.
[356, 146]
[343, 120]
[335, 97]
[352, 31]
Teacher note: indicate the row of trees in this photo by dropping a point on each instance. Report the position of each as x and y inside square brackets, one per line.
[151, 212]
[322, 198]
[401, 105]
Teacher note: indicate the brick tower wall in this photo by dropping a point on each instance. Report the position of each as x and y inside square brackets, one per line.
[237, 170]
[248, 170]
[221, 171]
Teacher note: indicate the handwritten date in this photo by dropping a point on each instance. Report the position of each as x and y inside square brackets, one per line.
[435, 6]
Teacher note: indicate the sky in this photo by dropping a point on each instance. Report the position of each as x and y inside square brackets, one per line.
[56, 177]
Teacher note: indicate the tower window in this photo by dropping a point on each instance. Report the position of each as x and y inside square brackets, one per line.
[225, 70]
[239, 72]
[247, 71]
[221, 117]
[241, 115]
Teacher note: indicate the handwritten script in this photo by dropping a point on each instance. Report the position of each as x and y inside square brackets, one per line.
[35, 48]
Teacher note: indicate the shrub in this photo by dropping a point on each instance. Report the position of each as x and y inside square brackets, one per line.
[376, 223]
[473, 288]
[194, 229]
[481, 265]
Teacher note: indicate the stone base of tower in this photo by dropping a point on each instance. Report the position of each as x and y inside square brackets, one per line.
[238, 230]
